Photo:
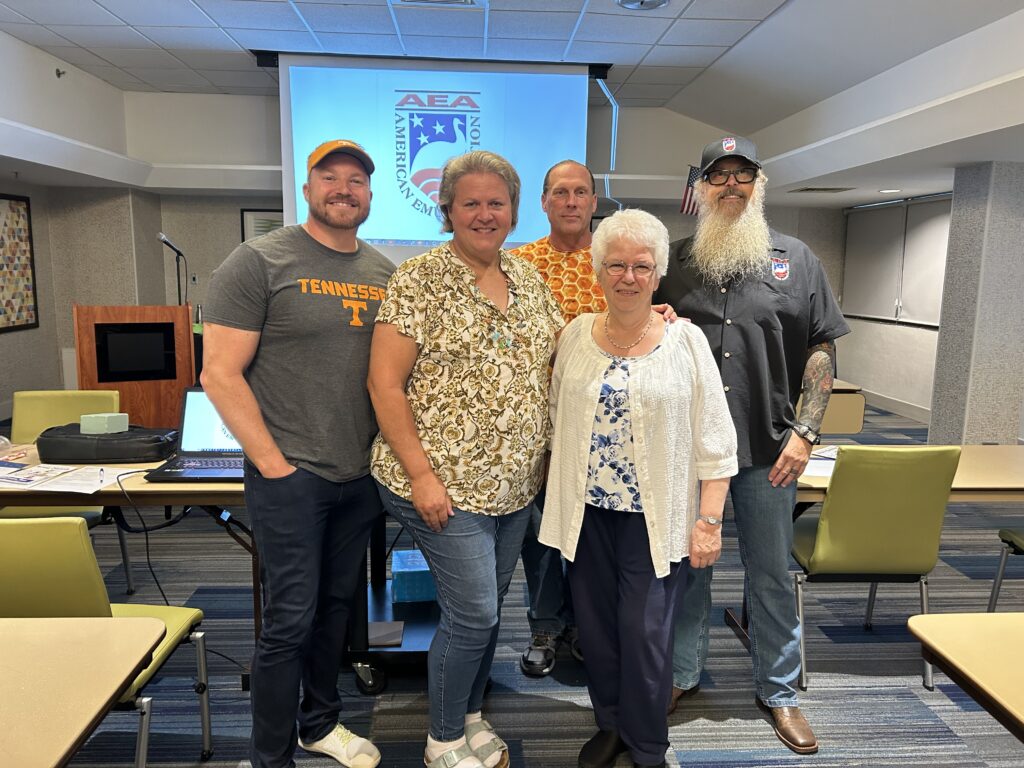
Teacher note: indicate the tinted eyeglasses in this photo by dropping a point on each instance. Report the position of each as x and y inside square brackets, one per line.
[640, 271]
[718, 178]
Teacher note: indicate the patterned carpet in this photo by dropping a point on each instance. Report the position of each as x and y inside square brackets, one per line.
[865, 699]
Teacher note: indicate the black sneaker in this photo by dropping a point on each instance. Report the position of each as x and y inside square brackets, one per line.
[539, 659]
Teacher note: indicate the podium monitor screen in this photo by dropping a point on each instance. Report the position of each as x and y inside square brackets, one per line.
[134, 351]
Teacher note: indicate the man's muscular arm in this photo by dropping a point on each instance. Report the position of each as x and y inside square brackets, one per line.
[817, 388]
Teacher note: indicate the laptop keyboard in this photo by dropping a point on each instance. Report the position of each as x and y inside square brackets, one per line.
[210, 463]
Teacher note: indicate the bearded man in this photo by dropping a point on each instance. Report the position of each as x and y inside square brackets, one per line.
[764, 303]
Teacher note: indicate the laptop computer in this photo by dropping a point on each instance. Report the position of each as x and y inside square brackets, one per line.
[207, 452]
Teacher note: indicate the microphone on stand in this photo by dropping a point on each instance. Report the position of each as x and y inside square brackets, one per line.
[178, 256]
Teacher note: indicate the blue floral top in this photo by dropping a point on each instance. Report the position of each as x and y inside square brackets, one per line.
[611, 477]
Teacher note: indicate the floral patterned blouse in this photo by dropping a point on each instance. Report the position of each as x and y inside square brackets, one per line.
[611, 476]
[479, 386]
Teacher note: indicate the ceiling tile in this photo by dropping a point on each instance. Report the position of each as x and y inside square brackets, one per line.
[112, 75]
[376, 45]
[440, 21]
[444, 47]
[131, 57]
[228, 60]
[158, 13]
[140, 88]
[607, 53]
[525, 50]
[664, 75]
[614, 29]
[190, 38]
[72, 54]
[731, 9]
[270, 40]
[525, 25]
[169, 77]
[241, 89]
[707, 32]
[78, 12]
[248, 14]
[245, 79]
[641, 102]
[683, 55]
[347, 18]
[7, 16]
[33, 34]
[110, 37]
[210, 89]
[570, 6]
[640, 91]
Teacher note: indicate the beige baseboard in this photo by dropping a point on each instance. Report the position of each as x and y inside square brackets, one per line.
[911, 411]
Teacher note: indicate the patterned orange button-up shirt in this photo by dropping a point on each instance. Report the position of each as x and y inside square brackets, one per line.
[569, 275]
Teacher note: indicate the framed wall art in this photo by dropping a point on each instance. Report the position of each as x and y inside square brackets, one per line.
[18, 301]
[259, 221]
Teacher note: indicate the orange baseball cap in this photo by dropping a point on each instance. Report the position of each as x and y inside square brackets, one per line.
[342, 146]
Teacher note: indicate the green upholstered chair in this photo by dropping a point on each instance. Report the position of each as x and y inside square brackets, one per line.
[881, 521]
[1013, 544]
[48, 569]
[36, 411]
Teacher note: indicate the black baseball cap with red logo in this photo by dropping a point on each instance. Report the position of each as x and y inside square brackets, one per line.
[728, 146]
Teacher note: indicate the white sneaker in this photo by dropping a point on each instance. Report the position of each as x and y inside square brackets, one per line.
[344, 746]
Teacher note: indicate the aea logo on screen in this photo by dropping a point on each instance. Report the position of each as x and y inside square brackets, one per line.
[430, 128]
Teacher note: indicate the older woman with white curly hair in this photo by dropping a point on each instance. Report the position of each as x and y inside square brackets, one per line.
[640, 419]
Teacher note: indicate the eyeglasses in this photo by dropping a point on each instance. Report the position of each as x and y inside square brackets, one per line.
[640, 271]
[743, 176]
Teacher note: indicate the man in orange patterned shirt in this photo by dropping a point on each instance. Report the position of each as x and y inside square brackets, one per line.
[563, 259]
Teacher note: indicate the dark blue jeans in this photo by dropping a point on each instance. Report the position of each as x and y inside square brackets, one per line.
[311, 535]
[547, 587]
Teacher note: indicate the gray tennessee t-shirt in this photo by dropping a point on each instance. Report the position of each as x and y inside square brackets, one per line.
[314, 308]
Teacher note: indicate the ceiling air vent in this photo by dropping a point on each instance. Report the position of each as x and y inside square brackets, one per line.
[827, 190]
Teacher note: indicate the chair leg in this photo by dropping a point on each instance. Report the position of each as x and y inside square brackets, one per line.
[127, 560]
[203, 689]
[998, 583]
[871, 604]
[929, 681]
[798, 579]
[144, 705]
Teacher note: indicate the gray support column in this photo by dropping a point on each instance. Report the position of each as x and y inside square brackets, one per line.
[979, 362]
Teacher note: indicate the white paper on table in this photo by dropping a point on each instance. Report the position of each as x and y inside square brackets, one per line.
[33, 475]
[825, 452]
[82, 480]
[819, 468]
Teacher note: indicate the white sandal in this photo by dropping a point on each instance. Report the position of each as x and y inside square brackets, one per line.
[453, 757]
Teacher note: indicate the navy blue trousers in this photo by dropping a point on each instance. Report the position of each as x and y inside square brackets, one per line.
[624, 614]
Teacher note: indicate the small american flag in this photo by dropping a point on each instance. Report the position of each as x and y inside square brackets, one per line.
[689, 205]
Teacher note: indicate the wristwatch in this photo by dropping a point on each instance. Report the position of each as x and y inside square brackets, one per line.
[710, 520]
[807, 433]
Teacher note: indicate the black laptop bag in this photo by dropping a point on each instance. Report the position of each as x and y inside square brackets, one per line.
[67, 445]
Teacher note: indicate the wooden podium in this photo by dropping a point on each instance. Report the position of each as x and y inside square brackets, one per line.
[145, 353]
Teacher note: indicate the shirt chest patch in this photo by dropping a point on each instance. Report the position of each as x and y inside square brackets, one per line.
[780, 268]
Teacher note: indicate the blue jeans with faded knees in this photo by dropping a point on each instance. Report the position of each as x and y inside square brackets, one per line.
[472, 561]
[764, 525]
[311, 535]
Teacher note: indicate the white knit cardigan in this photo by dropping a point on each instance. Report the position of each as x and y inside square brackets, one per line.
[682, 433]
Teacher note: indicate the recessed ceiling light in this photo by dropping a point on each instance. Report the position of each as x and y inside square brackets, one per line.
[641, 5]
[889, 191]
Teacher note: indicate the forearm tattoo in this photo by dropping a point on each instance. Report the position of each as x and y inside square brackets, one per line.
[817, 384]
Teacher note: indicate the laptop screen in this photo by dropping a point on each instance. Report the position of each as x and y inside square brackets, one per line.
[202, 428]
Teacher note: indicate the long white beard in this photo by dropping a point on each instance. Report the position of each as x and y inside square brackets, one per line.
[731, 248]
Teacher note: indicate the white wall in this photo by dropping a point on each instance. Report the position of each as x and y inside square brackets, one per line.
[895, 364]
[76, 105]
